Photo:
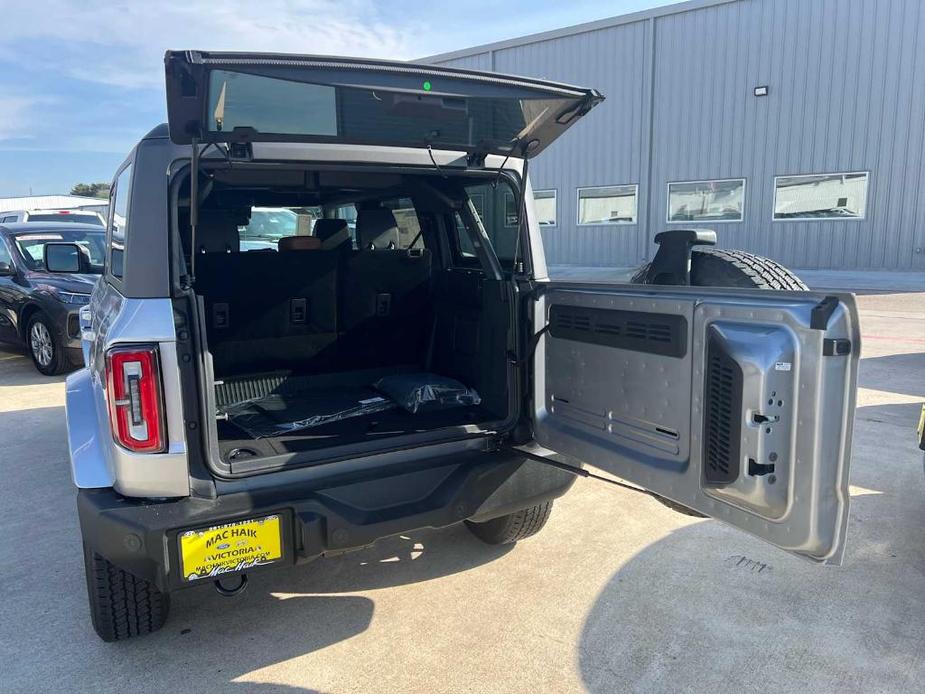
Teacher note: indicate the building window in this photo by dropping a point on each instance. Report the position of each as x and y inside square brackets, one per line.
[607, 205]
[544, 202]
[707, 201]
[820, 196]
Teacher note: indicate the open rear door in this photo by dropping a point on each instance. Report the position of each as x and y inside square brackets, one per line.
[736, 403]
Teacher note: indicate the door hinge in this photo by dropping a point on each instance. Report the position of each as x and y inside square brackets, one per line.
[836, 347]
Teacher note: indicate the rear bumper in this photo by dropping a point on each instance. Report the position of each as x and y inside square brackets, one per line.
[141, 536]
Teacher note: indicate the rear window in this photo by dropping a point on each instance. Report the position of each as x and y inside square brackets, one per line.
[268, 225]
[66, 217]
[273, 106]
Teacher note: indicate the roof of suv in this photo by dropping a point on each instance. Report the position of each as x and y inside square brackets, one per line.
[14, 228]
[160, 130]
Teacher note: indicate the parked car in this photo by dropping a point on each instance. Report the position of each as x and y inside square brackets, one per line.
[61, 216]
[39, 309]
[247, 409]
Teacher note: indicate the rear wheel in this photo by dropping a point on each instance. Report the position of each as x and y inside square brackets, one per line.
[122, 605]
[512, 527]
[44, 347]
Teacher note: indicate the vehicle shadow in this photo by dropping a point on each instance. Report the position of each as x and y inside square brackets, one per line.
[293, 612]
[894, 373]
[905, 415]
[209, 641]
[709, 608]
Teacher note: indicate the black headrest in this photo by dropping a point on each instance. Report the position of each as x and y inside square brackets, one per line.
[376, 229]
[217, 231]
[333, 233]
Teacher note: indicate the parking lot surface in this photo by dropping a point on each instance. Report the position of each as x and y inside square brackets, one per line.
[618, 593]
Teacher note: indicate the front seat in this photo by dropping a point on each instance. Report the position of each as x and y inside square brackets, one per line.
[376, 229]
[217, 231]
[333, 233]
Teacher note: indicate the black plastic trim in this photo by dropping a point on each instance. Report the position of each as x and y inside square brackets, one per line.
[722, 422]
[822, 312]
[638, 331]
[140, 536]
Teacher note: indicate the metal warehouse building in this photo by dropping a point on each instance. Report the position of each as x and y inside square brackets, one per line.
[795, 128]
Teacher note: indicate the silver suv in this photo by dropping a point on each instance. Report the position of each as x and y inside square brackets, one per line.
[402, 358]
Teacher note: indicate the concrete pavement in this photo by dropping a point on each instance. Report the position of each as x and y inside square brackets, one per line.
[618, 593]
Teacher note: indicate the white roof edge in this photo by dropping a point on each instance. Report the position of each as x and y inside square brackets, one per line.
[49, 195]
[631, 18]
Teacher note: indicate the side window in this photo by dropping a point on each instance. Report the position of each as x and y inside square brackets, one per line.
[118, 220]
[406, 218]
[5, 253]
[463, 250]
[497, 208]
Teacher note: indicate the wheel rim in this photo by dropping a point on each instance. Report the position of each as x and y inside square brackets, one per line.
[42, 347]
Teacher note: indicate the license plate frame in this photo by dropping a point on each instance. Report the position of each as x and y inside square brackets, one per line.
[232, 547]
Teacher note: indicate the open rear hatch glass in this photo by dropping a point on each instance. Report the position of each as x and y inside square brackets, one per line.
[251, 97]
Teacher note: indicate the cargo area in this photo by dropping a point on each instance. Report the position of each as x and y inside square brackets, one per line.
[318, 290]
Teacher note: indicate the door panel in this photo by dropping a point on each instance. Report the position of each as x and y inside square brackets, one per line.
[719, 399]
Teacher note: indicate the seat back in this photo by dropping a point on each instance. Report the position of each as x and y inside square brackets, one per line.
[333, 233]
[299, 243]
[270, 311]
[376, 229]
[386, 311]
[217, 231]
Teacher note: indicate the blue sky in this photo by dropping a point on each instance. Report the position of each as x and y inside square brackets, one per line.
[81, 81]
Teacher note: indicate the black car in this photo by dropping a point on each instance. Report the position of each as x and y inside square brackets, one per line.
[40, 309]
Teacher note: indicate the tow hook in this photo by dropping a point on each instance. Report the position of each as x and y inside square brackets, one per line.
[221, 589]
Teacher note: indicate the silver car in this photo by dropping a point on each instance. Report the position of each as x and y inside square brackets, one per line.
[403, 359]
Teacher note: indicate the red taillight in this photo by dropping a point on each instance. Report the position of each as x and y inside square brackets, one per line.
[135, 405]
[64, 211]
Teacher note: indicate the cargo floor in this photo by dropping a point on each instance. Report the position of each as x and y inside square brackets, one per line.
[287, 397]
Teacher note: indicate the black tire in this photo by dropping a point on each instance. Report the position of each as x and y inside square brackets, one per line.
[717, 267]
[41, 336]
[512, 527]
[121, 605]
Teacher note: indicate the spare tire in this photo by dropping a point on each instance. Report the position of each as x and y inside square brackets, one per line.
[717, 267]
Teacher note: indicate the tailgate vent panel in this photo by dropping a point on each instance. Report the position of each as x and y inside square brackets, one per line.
[722, 436]
[638, 331]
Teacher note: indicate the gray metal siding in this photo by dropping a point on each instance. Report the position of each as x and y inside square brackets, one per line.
[605, 148]
[847, 93]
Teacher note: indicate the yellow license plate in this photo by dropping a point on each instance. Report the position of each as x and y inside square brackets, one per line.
[221, 549]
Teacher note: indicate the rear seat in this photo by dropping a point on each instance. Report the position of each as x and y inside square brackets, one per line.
[265, 310]
[385, 311]
[310, 309]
